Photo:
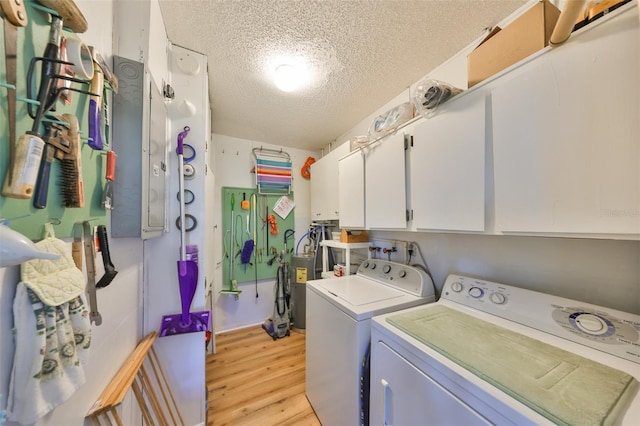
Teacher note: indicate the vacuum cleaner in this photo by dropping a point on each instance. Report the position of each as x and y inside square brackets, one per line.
[278, 325]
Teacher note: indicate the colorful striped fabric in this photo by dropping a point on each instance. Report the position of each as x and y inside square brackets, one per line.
[273, 176]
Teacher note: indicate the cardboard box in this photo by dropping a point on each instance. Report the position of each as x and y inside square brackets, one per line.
[353, 236]
[502, 48]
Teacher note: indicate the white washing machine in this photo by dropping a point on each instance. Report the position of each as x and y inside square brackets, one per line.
[338, 321]
[488, 353]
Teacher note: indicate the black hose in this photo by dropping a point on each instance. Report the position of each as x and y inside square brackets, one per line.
[280, 303]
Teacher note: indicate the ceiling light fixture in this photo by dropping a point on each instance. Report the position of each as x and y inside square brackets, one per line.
[289, 77]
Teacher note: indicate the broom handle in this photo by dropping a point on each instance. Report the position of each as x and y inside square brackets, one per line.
[180, 150]
[233, 248]
[255, 217]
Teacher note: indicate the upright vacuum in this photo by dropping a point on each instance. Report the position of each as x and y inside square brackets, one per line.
[278, 325]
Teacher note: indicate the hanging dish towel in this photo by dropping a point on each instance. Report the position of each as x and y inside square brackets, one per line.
[52, 334]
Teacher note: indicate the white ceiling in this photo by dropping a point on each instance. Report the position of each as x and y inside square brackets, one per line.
[363, 54]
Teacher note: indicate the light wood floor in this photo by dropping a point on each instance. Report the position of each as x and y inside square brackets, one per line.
[254, 380]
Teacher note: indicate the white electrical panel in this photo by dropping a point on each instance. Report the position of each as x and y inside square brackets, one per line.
[139, 125]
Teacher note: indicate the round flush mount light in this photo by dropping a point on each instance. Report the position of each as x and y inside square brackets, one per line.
[290, 77]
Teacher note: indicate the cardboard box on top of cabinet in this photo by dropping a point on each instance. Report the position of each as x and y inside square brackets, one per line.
[502, 48]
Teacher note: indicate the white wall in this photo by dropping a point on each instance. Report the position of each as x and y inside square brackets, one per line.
[120, 303]
[233, 162]
[602, 272]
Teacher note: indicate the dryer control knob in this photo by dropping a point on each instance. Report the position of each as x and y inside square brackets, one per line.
[592, 324]
[457, 287]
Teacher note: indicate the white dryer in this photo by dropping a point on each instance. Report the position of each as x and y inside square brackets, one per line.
[489, 353]
[338, 331]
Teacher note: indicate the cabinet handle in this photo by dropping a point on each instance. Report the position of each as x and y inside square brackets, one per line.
[386, 403]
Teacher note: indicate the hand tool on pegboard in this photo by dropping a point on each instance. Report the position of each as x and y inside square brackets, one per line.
[14, 15]
[50, 90]
[107, 194]
[90, 259]
[29, 149]
[69, 11]
[57, 144]
[95, 105]
[71, 165]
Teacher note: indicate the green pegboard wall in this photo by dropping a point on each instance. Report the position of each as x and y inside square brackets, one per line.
[267, 244]
[23, 217]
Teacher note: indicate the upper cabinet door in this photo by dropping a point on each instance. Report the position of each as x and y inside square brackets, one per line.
[351, 190]
[324, 185]
[448, 167]
[567, 137]
[385, 183]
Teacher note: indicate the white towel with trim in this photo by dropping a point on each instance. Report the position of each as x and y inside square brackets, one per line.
[52, 344]
[52, 334]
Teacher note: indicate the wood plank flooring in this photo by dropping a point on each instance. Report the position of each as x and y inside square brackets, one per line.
[254, 380]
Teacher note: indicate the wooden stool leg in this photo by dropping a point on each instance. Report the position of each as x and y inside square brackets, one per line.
[153, 358]
[116, 416]
[135, 376]
[141, 402]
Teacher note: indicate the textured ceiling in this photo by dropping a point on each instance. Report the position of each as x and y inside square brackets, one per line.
[362, 53]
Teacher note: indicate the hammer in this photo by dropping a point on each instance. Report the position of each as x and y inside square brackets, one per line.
[69, 12]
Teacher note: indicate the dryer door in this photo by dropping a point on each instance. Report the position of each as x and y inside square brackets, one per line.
[401, 394]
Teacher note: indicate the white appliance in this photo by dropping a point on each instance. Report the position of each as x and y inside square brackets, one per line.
[543, 359]
[338, 321]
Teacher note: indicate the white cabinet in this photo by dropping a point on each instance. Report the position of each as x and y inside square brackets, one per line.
[346, 247]
[385, 183]
[566, 137]
[372, 183]
[351, 190]
[447, 167]
[324, 185]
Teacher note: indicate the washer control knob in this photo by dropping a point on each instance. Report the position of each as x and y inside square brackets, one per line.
[476, 292]
[386, 269]
[591, 324]
[373, 266]
[498, 298]
[457, 287]
[365, 264]
[402, 273]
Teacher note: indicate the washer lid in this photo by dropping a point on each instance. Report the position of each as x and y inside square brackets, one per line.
[358, 291]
